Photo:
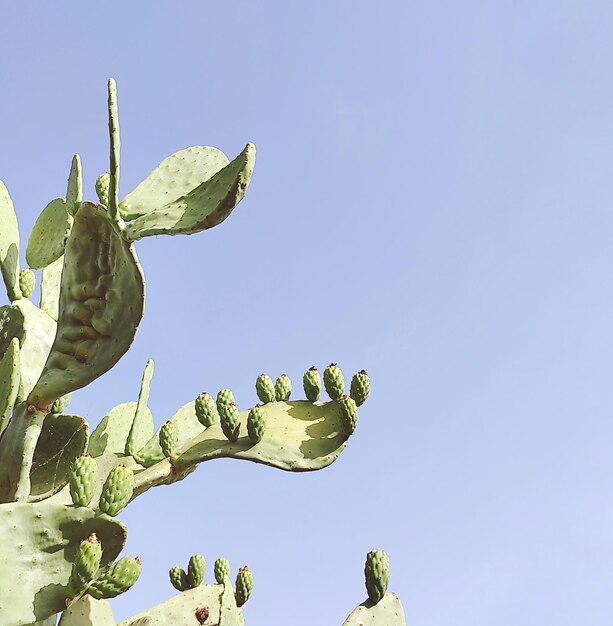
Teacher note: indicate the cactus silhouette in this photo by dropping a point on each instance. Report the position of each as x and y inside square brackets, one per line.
[62, 486]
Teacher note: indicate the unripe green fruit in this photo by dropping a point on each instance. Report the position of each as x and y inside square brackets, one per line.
[349, 412]
[85, 565]
[265, 389]
[83, 479]
[360, 387]
[195, 570]
[169, 438]
[178, 578]
[311, 381]
[117, 579]
[334, 381]
[61, 404]
[377, 573]
[222, 570]
[256, 423]
[117, 490]
[283, 388]
[102, 188]
[224, 398]
[230, 421]
[244, 585]
[27, 280]
[206, 411]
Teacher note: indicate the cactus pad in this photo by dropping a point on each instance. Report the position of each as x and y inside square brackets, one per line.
[9, 245]
[87, 611]
[48, 237]
[50, 288]
[387, 612]
[9, 380]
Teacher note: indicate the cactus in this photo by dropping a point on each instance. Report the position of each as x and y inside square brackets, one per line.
[377, 573]
[60, 488]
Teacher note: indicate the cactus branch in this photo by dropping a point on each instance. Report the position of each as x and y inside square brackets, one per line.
[114, 152]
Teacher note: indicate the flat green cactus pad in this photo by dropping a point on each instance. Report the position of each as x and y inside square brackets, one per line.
[101, 305]
[38, 546]
[88, 612]
[230, 614]
[62, 440]
[173, 178]
[181, 609]
[48, 237]
[201, 208]
[74, 191]
[50, 287]
[9, 381]
[9, 245]
[387, 612]
[142, 425]
[299, 436]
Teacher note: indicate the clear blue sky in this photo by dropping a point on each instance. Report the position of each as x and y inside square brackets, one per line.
[432, 201]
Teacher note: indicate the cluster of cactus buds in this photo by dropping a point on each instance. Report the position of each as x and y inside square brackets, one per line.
[194, 577]
[117, 579]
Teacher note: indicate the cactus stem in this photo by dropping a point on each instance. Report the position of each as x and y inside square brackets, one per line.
[114, 152]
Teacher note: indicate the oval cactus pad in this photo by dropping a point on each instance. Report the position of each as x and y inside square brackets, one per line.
[48, 237]
[101, 304]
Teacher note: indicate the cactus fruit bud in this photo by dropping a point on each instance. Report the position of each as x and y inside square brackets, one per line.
[311, 381]
[102, 188]
[222, 570]
[83, 479]
[265, 389]
[117, 579]
[206, 411]
[377, 573]
[349, 411]
[230, 421]
[27, 280]
[178, 578]
[283, 388]
[195, 570]
[169, 438]
[256, 423]
[224, 398]
[244, 585]
[117, 490]
[360, 387]
[85, 565]
[61, 404]
[334, 381]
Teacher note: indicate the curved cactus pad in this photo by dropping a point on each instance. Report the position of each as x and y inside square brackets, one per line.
[39, 542]
[9, 245]
[50, 287]
[101, 305]
[62, 440]
[9, 381]
[174, 177]
[387, 612]
[181, 609]
[207, 205]
[88, 612]
[299, 436]
[48, 237]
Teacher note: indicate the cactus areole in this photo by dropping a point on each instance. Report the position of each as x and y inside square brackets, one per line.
[63, 486]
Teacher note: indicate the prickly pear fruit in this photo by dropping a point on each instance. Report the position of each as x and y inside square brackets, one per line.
[117, 490]
[264, 388]
[83, 479]
[224, 398]
[178, 578]
[117, 579]
[334, 381]
[349, 411]
[360, 387]
[85, 565]
[169, 438]
[27, 280]
[102, 188]
[195, 570]
[206, 411]
[311, 381]
[61, 404]
[377, 573]
[256, 423]
[202, 614]
[230, 421]
[283, 388]
[244, 585]
[222, 570]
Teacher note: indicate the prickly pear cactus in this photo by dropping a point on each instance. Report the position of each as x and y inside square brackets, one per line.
[61, 488]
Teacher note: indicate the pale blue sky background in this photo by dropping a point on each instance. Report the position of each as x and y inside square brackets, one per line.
[432, 201]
